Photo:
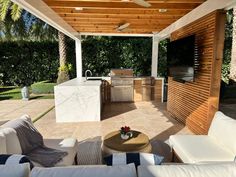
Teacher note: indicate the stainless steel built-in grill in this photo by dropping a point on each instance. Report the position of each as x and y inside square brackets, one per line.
[122, 85]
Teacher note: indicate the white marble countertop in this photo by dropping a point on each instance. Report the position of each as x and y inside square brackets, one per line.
[81, 82]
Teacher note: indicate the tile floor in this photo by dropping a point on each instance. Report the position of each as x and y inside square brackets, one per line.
[150, 118]
[12, 109]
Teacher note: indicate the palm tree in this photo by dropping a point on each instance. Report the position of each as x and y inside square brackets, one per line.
[232, 75]
[16, 23]
[7, 6]
[63, 74]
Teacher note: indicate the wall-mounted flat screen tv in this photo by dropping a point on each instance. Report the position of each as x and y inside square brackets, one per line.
[181, 59]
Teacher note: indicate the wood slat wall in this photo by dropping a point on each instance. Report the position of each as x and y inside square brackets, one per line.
[196, 103]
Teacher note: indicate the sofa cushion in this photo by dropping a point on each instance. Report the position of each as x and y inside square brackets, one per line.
[9, 136]
[3, 148]
[69, 145]
[20, 170]
[86, 171]
[223, 129]
[136, 158]
[199, 148]
[206, 170]
[12, 141]
[14, 159]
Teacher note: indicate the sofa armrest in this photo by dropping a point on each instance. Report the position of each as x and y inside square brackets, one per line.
[63, 143]
[69, 145]
[3, 122]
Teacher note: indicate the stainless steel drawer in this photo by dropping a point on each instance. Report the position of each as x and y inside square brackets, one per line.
[122, 93]
[117, 81]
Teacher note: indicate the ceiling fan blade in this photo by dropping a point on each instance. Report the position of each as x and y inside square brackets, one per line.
[122, 26]
[142, 3]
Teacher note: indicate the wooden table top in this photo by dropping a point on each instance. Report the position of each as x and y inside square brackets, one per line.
[138, 141]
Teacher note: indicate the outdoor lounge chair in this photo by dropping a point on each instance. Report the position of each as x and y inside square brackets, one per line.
[219, 145]
[9, 144]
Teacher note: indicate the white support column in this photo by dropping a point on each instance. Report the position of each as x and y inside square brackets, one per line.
[155, 43]
[78, 52]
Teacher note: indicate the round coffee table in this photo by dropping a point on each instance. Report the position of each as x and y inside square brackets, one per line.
[113, 143]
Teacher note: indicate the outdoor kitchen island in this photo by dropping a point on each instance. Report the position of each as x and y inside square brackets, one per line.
[78, 100]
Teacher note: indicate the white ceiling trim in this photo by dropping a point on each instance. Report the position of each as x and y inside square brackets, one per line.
[202, 10]
[45, 13]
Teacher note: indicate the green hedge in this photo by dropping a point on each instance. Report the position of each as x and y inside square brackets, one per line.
[27, 62]
[44, 87]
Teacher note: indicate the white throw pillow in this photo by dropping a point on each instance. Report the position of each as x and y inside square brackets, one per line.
[86, 171]
[12, 141]
[223, 130]
[21, 170]
[3, 148]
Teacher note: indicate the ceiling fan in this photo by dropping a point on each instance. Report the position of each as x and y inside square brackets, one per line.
[140, 2]
[123, 26]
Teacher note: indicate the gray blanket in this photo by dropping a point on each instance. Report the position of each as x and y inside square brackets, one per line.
[32, 144]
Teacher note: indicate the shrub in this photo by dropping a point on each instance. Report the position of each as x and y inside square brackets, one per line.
[43, 87]
[26, 62]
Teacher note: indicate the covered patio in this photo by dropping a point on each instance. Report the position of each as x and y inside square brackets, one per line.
[190, 106]
[169, 19]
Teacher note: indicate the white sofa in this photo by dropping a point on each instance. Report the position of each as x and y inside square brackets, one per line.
[9, 144]
[218, 146]
[194, 170]
[204, 170]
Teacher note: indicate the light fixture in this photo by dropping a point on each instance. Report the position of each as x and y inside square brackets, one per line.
[139, 2]
[162, 10]
[122, 27]
[79, 8]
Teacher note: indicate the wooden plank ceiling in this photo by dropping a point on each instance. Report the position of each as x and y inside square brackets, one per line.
[104, 16]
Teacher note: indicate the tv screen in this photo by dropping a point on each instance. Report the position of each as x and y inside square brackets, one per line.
[180, 58]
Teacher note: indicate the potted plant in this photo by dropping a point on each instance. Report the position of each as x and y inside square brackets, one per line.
[125, 133]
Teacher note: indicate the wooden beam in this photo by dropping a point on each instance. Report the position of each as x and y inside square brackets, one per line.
[117, 5]
[119, 20]
[156, 28]
[115, 25]
[120, 11]
[146, 16]
[116, 34]
[114, 31]
[84, 22]
[150, 1]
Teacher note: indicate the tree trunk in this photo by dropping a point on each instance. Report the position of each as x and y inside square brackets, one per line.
[232, 75]
[63, 74]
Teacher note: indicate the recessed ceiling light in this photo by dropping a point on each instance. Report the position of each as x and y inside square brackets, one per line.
[162, 10]
[79, 8]
[125, 0]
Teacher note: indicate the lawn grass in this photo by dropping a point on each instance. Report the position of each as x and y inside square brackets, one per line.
[14, 93]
